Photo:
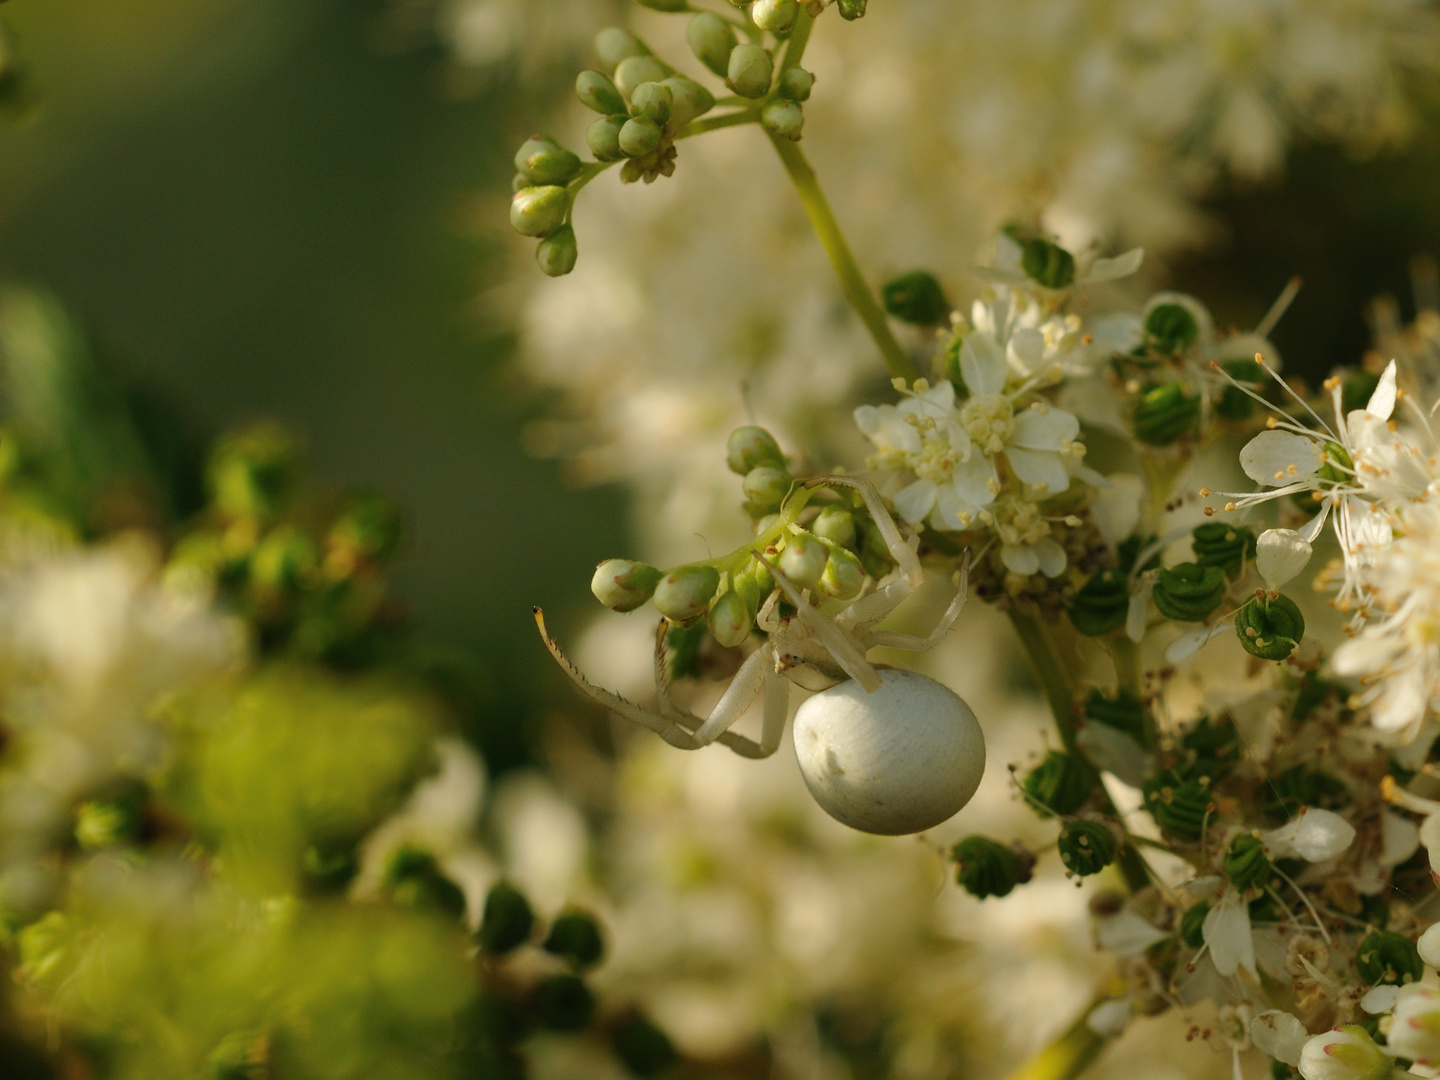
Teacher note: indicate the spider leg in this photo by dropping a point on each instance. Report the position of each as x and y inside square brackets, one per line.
[744, 688]
[777, 706]
[903, 554]
[918, 644]
[747, 748]
[849, 655]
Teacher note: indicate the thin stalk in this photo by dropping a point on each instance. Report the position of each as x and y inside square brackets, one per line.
[852, 281]
[716, 123]
[1065, 1058]
[796, 42]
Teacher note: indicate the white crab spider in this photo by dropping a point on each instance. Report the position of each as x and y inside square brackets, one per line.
[882, 750]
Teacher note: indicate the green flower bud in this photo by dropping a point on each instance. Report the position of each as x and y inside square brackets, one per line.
[985, 867]
[731, 618]
[651, 101]
[631, 172]
[754, 584]
[563, 1003]
[44, 947]
[614, 45]
[1170, 329]
[1178, 807]
[639, 137]
[783, 118]
[1386, 957]
[519, 182]
[370, 527]
[689, 100]
[597, 91]
[1270, 629]
[576, 937]
[622, 585]
[850, 10]
[796, 83]
[874, 554]
[843, 576]
[1101, 605]
[284, 561]
[1165, 414]
[776, 16]
[414, 880]
[1225, 546]
[803, 560]
[1046, 263]
[603, 138]
[1086, 847]
[642, 1047]
[669, 6]
[1123, 712]
[765, 487]
[557, 252]
[1246, 864]
[539, 210]
[103, 823]
[507, 920]
[1188, 593]
[634, 71]
[331, 871]
[1192, 924]
[711, 40]
[252, 472]
[545, 161]
[749, 71]
[835, 525]
[1060, 784]
[916, 298]
[686, 591]
[750, 446]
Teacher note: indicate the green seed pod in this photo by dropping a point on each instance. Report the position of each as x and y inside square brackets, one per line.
[711, 40]
[686, 591]
[507, 920]
[803, 560]
[835, 525]
[750, 446]
[1270, 629]
[1101, 605]
[414, 880]
[1060, 784]
[796, 83]
[731, 618]
[635, 71]
[1047, 264]
[776, 16]
[545, 161]
[916, 298]
[843, 576]
[284, 561]
[668, 6]
[622, 585]
[1086, 847]
[765, 487]
[1192, 924]
[563, 1003]
[1246, 864]
[614, 46]
[688, 100]
[1123, 712]
[556, 254]
[642, 1047]
[985, 867]
[1170, 329]
[753, 584]
[576, 937]
[1225, 546]
[850, 10]
[750, 71]
[651, 101]
[252, 472]
[1188, 593]
[1386, 957]
[1178, 807]
[639, 137]
[597, 91]
[603, 138]
[539, 210]
[1165, 414]
[783, 118]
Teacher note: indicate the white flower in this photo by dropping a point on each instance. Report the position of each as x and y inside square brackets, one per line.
[1026, 546]
[1280, 555]
[1279, 1035]
[1090, 269]
[1415, 1028]
[1429, 828]
[1227, 934]
[1347, 1053]
[1315, 836]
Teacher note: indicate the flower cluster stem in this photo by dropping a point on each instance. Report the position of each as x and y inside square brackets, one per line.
[1065, 1058]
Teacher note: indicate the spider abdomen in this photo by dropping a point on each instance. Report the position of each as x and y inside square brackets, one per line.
[899, 760]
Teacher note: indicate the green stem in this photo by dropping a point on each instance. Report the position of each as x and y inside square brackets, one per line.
[1065, 1058]
[796, 42]
[851, 279]
[715, 123]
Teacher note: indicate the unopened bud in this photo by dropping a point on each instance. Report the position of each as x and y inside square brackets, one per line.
[1047, 264]
[1346, 1053]
[686, 591]
[545, 161]
[651, 101]
[520, 182]
[1086, 847]
[635, 70]
[623, 585]
[765, 488]
[843, 576]
[750, 446]
[1226, 546]
[1188, 592]
[576, 938]
[1270, 628]
[803, 560]
[252, 472]
[783, 118]
[639, 137]
[754, 584]
[1179, 807]
[749, 71]
[1165, 414]
[1123, 712]
[1060, 784]
[985, 867]
[539, 210]
[603, 138]
[1246, 864]
[507, 920]
[850, 10]
[370, 527]
[796, 84]
[730, 619]
[711, 40]
[631, 172]
[597, 91]
[614, 45]
[776, 16]
[557, 253]
[835, 525]
[1101, 605]
[916, 298]
[1170, 329]
[688, 99]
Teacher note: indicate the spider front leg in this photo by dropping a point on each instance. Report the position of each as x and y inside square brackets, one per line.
[912, 643]
[871, 609]
[756, 675]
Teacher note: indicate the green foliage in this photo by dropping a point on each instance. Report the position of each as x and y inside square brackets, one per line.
[1170, 329]
[1226, 546]
[1180, 807]
[1192, 924]
[1388, 957]
[1123, 711]
[1189, 592]
[1101, 604]
[1060, 784]
[916, 297]
[576, 937]
[507, 921]
[985, 867]
[642, 1047]
[1086, 847]
[1245, 862]
[1165, 414]
[1270, 628]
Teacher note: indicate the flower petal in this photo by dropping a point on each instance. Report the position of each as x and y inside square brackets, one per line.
[1052, 557]
[1039, 468]
[1279, 1035]
[975, 480]
[1044, 428]
[1120, 266]
[1127, 935]
[982, 363]
[1382, 401]
[1192, 641]
[1280, 554]
[1273, 458]
[1020, 559]
[1227, 931]
[1316, 835]
[915, 501]
[1026, 350]
[1116, 509]
[953, 512]
[1429, 945]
